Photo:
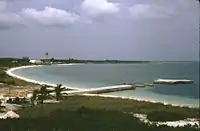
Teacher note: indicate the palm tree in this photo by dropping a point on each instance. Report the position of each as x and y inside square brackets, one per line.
[52, 59]
[58, 90]
[46, 55]
[34, 97]
[43, 93]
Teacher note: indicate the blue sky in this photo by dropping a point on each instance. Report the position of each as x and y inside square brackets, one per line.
[100, 29]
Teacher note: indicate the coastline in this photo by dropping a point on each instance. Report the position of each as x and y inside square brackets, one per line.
[11, 70]
[140, 100]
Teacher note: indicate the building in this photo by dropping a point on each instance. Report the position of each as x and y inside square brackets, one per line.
[16, 97]
[35, 61]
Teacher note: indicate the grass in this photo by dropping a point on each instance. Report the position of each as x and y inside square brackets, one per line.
[82, 113]
[128, 106]
[84, 119]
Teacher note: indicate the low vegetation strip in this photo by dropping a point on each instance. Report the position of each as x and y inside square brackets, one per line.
[95, 102]
[6, 63]
[84, 119]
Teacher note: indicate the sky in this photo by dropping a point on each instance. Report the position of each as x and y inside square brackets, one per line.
[100, 29]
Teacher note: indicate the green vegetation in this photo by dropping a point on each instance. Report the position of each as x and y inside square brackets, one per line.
[43, 93]
[84, 119]
[5, 64]
[13, 62]
[40, 95]
[71, 60]
[58, 90]
[34, 97]
[126, 106]
[82, 113]
[4, 78]
[165, 116]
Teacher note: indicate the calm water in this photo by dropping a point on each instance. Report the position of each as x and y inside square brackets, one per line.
[98, 75]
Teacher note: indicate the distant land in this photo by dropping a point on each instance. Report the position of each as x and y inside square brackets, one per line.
[71, 60]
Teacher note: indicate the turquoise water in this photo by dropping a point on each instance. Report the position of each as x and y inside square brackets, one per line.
[98, 75]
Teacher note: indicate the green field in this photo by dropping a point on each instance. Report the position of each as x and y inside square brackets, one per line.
[82, 113]
[129, 106]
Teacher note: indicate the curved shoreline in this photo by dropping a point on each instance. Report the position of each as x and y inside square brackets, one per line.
[11, 70]
[141, 100]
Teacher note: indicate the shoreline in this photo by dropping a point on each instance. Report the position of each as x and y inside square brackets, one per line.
[140, 100]
[11, 70]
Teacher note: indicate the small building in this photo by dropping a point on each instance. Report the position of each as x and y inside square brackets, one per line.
[36, 61]
[16, 98]
[14, 61]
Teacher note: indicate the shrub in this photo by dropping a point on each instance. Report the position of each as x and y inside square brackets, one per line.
[9, 81]
[165, 116]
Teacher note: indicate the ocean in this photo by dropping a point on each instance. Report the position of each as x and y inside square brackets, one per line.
[100, 75]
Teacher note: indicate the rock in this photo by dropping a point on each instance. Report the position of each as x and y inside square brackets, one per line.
[10, 114]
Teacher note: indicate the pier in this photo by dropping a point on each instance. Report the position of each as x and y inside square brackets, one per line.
[173, 81]
[104, 89]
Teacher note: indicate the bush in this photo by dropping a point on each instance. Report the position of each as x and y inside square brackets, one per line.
[2, 74]
[9, 81]
[165, 116]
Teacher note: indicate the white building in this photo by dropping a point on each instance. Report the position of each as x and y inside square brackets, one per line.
[36, 61]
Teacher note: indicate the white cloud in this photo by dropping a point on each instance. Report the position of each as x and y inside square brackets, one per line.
[8, 20]
[187, 3]
[142, 11]
[2, 5]
[100, 9]
[50, 16]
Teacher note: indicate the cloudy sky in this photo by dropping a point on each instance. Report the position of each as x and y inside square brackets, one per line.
[100, 29]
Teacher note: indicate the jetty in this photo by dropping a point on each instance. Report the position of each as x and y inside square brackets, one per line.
[104, 89]
[173, 81]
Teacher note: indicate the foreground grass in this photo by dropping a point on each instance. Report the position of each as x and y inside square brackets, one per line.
[129, 106]
[84, 119]
[81, 113]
